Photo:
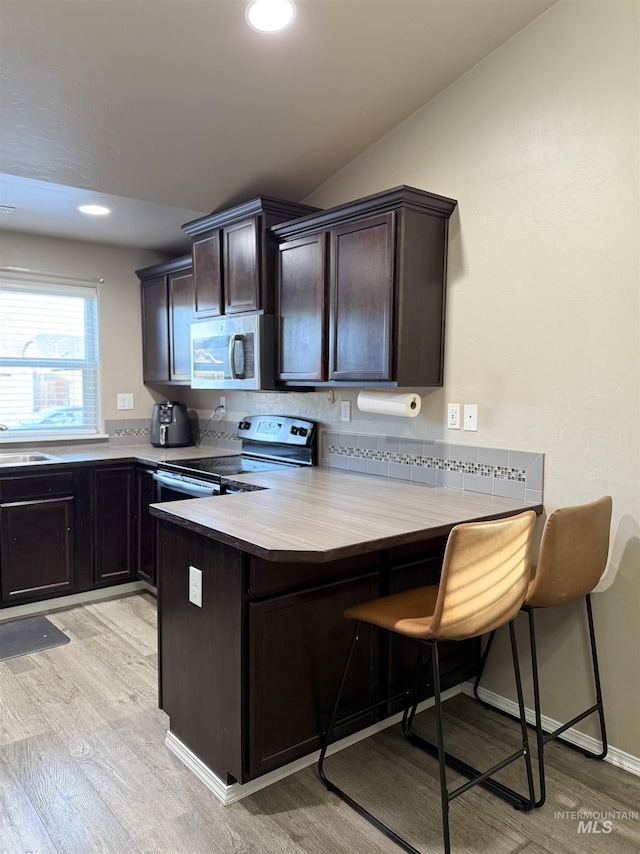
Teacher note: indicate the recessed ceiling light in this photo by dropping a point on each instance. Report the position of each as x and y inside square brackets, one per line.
[94, 210]
[269, 16]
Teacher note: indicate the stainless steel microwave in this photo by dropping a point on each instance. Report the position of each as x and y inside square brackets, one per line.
[233, 352]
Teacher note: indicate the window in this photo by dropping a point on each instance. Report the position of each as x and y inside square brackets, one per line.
[48, 361]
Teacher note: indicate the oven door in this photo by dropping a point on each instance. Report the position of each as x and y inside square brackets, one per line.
[172, 488]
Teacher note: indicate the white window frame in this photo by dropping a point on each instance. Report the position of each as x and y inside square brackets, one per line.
[42, 434]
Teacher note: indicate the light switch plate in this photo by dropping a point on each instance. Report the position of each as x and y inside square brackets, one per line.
[125, 401]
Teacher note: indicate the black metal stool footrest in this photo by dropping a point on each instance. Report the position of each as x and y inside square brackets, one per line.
[476, 777]
[382, 827]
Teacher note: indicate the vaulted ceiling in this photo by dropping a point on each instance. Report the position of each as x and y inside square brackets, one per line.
[166, 109]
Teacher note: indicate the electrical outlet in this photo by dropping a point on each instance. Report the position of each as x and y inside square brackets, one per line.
[471, 417]
[125, 401]
[453, 416]
[222, 406]
[195, 586]
[345, 410]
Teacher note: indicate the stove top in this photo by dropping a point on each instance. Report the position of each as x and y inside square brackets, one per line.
[269, 442]
[215, 467]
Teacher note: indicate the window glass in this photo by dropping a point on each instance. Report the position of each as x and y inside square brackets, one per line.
[48, 361]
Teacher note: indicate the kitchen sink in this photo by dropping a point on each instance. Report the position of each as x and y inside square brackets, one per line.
[18, 459]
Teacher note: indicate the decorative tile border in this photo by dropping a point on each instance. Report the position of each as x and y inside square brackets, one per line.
[430, 462]
[493, 471]
[137, 431]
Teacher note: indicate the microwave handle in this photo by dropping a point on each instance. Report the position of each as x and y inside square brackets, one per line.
[233, 341]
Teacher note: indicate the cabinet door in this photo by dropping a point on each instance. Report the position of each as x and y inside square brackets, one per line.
[242, 266]
[146, 528]
[36, 548]
[361, 307]
[207, 272]
[298, 645]
[181, 312]
[302, 310]
[155, 330]
[114, 523]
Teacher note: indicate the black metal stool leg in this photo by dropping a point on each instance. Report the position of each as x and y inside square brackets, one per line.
[442, 761]
[474, 776]
[413, 694]
[597, 706]
[483, 661]
[596, 679]
[536, 705]
[331, 787]
[523, 719]
[334, 712]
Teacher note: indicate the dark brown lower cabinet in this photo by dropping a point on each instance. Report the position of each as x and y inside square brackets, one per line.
[201, 649]
[36, 547]
[249, 679]
[70, 530]
[114, 523]
[296, 651]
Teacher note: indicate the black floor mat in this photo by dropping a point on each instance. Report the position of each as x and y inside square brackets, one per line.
[29, 634]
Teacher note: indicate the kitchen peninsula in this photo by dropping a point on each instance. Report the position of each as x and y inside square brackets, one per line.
[248, 678]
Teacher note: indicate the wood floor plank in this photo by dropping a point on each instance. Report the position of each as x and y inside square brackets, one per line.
[19, 716]
[180, 835]
[20, 827]
[75, 817]
[125, 782]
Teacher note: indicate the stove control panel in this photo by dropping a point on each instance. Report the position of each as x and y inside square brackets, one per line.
[277, 428]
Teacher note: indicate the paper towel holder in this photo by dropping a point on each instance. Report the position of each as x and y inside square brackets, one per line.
[406, 405]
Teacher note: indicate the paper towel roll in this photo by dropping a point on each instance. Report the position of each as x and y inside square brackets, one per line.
[389, 403]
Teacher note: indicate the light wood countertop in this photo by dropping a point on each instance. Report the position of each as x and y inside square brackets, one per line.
[322, 514]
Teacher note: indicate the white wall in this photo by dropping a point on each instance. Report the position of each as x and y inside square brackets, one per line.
[539, 144]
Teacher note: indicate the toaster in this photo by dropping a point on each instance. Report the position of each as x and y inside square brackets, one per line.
[170, 426]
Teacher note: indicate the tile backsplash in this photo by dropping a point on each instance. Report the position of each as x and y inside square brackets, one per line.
[135, 431]
[494, 471]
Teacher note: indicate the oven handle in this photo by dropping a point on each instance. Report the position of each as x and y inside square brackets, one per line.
[191, 489]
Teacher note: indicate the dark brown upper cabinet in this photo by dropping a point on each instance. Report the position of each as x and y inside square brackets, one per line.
[168, 308]
[361, 291]
[234, 255]
[207, 271]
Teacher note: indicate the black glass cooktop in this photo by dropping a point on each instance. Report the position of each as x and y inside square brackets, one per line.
[224, 466]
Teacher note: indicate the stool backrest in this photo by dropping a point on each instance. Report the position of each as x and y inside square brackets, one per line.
[485, 575]
[573, 553]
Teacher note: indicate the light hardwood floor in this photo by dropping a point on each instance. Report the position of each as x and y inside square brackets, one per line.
[83, 769]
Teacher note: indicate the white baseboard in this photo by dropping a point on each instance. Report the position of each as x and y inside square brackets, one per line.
[236, 791]
[616, 757]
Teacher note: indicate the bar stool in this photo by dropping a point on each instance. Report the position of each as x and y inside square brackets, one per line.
[485, 575]
[573, 556]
